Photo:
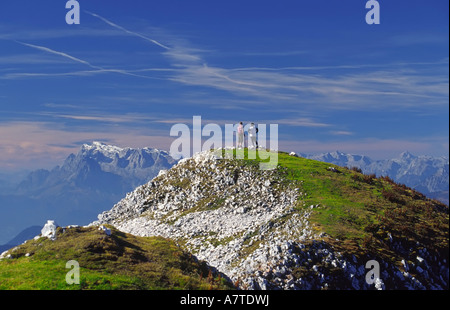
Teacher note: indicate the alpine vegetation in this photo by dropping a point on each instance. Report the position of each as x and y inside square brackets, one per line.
[300, 226]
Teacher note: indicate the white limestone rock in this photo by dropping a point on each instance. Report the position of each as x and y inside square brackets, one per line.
[49, 230]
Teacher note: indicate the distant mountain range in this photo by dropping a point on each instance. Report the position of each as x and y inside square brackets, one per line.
[101, 168]
[428, 175]
[86, 184]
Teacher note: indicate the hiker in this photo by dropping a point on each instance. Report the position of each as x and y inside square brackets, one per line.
[240, 132]
[252, 131]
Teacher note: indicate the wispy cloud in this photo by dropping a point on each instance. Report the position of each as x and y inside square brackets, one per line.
[104, 118]
[341, 133]
[347, 67]
[275, 54]
[22, 75]
[39, 34]
[298, 122]
[30, 59]
[359, 86]
[144, 121]
[418, 39]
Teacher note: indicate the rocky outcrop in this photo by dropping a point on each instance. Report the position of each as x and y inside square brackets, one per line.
[222, 211]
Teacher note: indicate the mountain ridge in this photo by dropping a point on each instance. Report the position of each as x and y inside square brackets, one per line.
[260, 229]
[108, 161]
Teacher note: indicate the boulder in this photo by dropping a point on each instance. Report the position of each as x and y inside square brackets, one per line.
[49, 230]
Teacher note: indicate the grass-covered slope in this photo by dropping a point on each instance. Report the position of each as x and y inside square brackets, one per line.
[119, 261]
[367, 209]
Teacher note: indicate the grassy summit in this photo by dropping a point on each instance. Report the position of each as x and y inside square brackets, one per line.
[365, 209]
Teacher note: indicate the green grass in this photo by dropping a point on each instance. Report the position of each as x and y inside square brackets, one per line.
[342, 211]
[121, 261]
[29, 274]
[363, 210]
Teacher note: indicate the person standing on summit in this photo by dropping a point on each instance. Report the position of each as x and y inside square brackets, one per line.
[240, 133]
[252, 131]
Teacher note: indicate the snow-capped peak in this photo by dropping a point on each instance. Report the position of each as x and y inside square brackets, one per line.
[102, 147]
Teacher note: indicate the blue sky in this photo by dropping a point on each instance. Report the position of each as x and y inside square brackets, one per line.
[128, 72]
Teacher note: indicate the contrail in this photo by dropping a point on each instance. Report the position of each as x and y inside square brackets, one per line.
[128, 31]
[49, 50]
[97, 68]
